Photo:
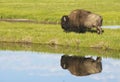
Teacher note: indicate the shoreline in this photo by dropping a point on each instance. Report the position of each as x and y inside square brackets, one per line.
[54, 45]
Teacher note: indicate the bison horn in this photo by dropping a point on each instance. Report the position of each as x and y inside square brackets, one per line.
[65, 19]
[64, 66]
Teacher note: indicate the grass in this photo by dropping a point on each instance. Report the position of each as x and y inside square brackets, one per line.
[52, 10]
[65, 50]
[54, 35]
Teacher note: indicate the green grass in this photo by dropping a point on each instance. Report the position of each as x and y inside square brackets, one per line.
[65, 50]
[52, 10]
[54, 35]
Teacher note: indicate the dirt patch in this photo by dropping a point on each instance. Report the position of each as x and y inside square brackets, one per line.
[29, 21]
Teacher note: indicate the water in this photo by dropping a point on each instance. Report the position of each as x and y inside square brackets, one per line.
[111, 27]
[32, 66]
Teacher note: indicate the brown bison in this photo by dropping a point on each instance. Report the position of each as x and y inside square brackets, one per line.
[81, 66]
[80, 20]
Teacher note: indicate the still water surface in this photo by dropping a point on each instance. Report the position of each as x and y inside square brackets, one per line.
[28, 66]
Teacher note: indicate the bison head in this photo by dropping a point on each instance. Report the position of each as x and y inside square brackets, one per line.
[64, 61]
[65, 22]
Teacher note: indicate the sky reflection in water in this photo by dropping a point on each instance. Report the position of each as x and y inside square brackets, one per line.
[22, 66]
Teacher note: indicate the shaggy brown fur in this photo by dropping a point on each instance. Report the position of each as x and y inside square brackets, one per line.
[79, 20]
[81, 66]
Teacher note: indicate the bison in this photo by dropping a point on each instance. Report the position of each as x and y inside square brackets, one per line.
[80, 20]
[81, 66]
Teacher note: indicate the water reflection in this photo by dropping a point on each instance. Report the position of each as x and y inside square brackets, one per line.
[27, 66]
[42, 63]
[81, 66]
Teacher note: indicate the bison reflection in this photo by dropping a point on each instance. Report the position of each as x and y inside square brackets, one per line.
[81, 66]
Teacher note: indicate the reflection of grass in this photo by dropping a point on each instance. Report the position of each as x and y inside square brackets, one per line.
[52, 10]
[53, 34]
[65, 50]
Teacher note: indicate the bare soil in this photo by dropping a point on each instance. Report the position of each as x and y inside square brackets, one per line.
[29, 21]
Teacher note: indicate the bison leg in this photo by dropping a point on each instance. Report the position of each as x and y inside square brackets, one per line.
[99, 30]
[82, 29]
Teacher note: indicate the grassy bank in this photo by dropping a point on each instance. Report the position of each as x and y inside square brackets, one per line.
[53, 34]
[52, 10]
[65, 50]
